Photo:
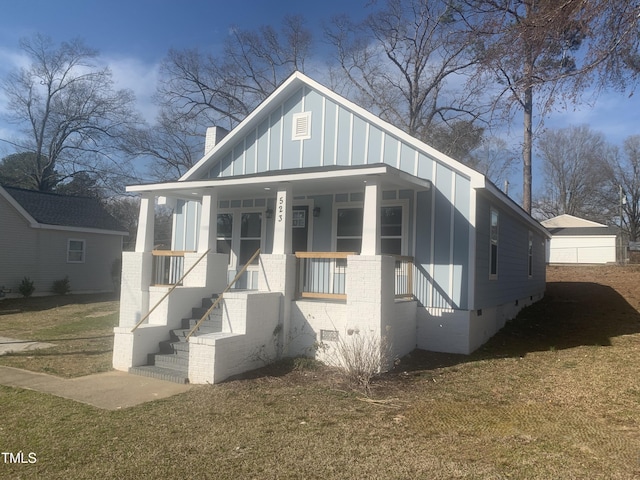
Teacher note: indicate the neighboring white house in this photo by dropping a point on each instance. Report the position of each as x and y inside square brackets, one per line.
[576, 240]
[46, 237]
[362, 230]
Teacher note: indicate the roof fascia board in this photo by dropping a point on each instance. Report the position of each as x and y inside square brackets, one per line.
[277, 93]
[273, 179]
[45, 226]
[477, 179]
[516, 209]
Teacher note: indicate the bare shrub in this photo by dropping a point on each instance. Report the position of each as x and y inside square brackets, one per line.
[361, 355]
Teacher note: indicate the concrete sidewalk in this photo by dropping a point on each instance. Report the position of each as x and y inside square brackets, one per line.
[110, 390]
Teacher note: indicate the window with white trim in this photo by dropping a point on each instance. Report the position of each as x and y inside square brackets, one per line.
[349, 221]
[493, 248]
[75, 250]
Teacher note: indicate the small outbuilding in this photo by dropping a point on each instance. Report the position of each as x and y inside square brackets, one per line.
[47, 237]
[577, 240]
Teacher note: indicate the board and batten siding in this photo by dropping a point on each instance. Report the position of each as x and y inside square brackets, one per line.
[339, 136]
[512, 281]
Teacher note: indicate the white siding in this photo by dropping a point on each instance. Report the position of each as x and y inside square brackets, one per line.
[582, 249]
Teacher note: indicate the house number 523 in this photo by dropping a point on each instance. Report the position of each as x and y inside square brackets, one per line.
[280, 208]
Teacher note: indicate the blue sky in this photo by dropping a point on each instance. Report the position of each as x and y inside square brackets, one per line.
[134, 36]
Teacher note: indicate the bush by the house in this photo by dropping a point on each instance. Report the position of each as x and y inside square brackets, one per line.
[61, 287]
[26, 287]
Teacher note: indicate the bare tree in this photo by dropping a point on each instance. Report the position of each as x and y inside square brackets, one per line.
[626, 175]
[494, 159]
[407, 63]
[543, 51]
[199, 89]
[73, 120]
[576, 174]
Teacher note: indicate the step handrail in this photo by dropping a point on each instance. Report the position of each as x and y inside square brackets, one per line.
[184, 275]
[226, 289]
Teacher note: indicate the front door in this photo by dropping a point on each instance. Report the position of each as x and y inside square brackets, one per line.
[300, 234]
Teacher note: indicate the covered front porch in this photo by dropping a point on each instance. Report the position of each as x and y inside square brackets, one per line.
[335, 250]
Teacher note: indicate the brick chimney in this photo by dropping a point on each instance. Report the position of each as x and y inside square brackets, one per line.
[213, 137]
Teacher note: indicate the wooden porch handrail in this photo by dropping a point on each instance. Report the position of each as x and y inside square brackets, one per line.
[170, 253]
[170, 290]
[226, 289]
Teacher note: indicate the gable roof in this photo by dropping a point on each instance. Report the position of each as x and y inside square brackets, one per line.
[61, 210]
[584, 231]
[216, 155]
[569, 221]
[297, 80]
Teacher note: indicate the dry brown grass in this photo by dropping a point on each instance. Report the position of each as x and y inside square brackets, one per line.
[556, 394]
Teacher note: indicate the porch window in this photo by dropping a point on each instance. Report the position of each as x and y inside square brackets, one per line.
[493, 249]
[75, 251]
[250, 236]
[349, 229]
[225, 234]
[391, 230]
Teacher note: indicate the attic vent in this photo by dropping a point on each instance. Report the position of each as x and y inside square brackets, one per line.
[301, 126]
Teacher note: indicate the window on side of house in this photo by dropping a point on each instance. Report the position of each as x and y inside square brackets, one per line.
[75, 250]
[530, 255]
[493, 248]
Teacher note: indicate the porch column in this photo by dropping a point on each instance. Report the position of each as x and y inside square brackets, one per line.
[283, 220]
[146, 220]
[371, 219]
[208, 222]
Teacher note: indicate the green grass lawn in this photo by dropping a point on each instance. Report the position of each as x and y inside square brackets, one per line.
[556, 394]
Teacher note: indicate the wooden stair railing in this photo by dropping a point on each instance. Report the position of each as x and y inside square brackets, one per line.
[184, 275]
[226, 289]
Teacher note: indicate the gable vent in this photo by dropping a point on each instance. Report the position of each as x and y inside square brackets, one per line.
[301, 126]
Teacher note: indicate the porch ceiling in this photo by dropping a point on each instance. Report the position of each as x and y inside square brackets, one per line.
[308, 181]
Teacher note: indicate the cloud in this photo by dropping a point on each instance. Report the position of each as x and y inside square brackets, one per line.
[139, 77]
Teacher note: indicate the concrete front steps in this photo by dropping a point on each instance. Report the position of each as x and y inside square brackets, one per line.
[171, 363]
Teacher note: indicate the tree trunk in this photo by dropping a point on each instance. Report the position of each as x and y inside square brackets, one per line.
[527, 147]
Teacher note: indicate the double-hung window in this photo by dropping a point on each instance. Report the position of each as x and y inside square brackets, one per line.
[349, 229]
[391, 230]
[493, 249]
[75, 251]
[530, 255]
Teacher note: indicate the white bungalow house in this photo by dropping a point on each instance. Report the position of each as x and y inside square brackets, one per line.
[362, 230]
